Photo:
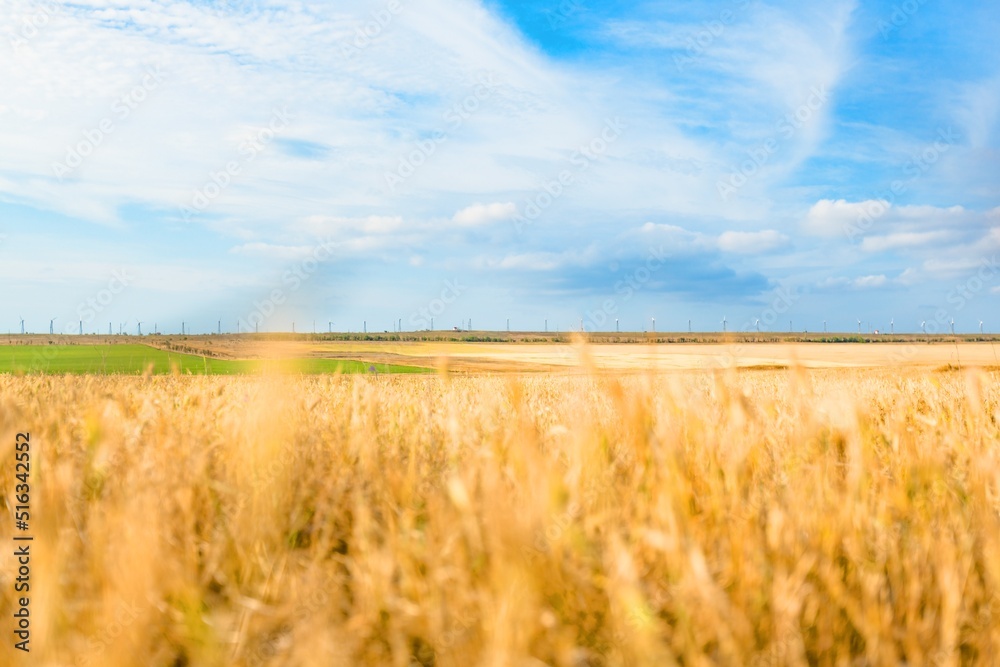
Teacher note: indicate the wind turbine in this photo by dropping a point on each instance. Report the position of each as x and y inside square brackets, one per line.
[52, 325]
[953, 326]
[980, 327]
[139, 327]
[892, 326]
[757, 324]
[654, 325]
[923, 326]
[617, 328]
[824, 326]
[859, 327]
[22, 325]
[723, 324]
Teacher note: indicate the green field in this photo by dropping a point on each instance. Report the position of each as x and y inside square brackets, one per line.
[138, 359]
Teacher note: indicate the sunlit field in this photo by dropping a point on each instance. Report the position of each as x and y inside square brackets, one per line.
[714, 517]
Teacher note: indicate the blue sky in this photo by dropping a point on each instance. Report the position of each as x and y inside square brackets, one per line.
[371, 162]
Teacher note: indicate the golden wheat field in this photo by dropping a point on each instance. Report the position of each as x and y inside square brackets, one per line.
[784, 517]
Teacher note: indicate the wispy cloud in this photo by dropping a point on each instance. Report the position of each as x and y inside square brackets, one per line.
[761, 142]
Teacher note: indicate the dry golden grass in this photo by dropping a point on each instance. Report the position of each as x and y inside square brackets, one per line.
[826, 517]
[616, 357]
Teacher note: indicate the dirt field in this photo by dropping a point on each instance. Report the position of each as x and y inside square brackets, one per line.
[535, 357]
[518, 356]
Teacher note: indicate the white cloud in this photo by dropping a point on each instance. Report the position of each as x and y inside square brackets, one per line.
[870, 281]
[953, 267]
[535, 261]
[275, 251]
[321, 225]
[751, 242]
[908, 277]
[829, 217]
[482, 214]
[926, 212]
[677, 238]
[902, 240]
[860, 283]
